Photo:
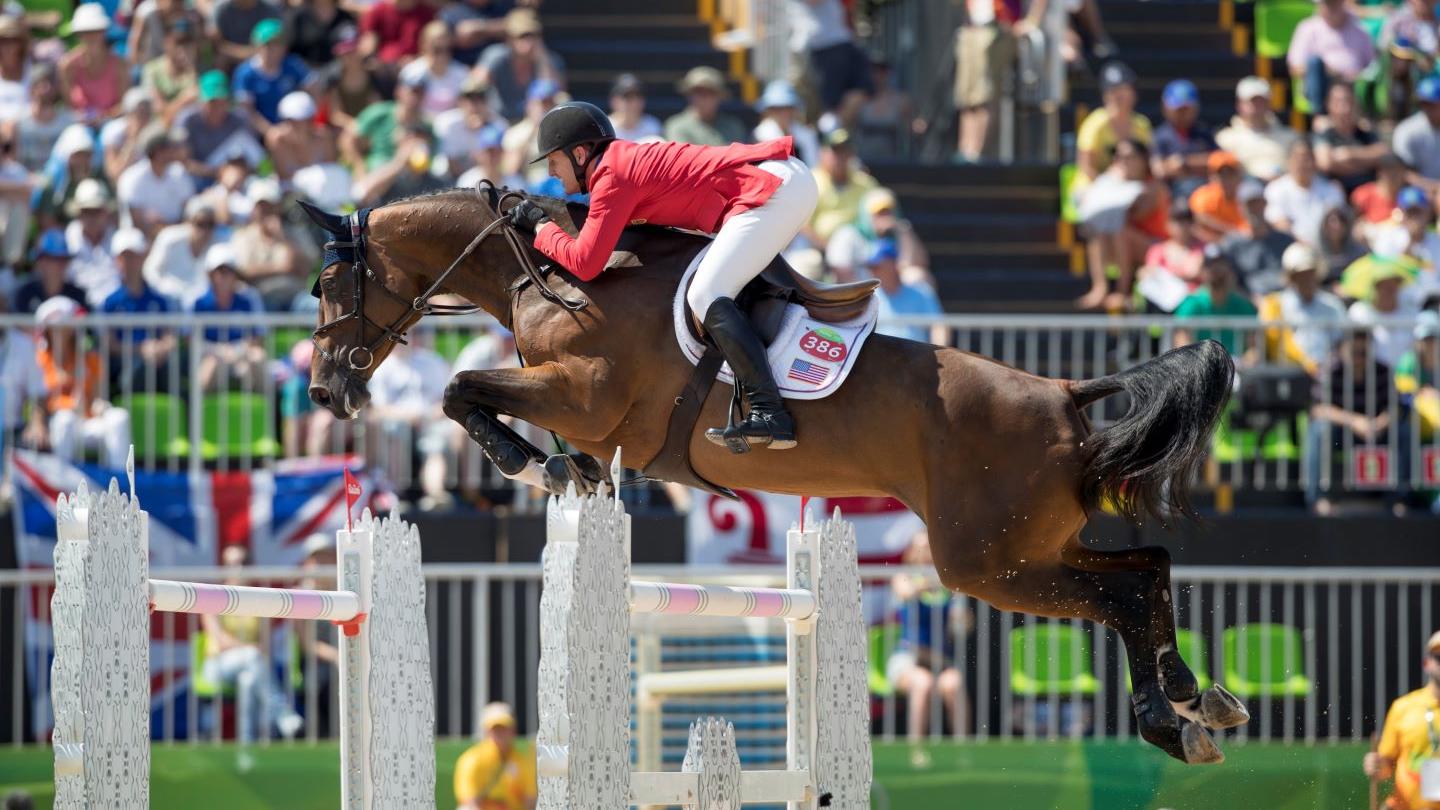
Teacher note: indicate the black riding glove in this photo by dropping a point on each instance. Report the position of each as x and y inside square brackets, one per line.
[527, 216]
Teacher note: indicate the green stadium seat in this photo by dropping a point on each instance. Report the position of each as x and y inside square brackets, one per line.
[286, 337]
[883, 639]
[1060, 657]
[159, 425]
[1273, 662]
[1275, 23]
[450, 342]
[236, 425]
[1069, 211]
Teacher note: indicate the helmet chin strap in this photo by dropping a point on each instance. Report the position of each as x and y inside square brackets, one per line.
[580, 170]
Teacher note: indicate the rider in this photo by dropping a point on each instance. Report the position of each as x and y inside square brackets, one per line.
[753, 198]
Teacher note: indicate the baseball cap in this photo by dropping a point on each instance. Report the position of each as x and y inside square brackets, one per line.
[475, 86]
[495, 715]
[52, 244]
[129, 240]
[414, 79]
[218, 256]
[1116, 74]
[349, 44]
[492, 137]
[1181, 93]
[1250, 189]
[1220, 159]
[57, 308]
[197, 206]
[703, 77]
[213, 85]
[778, 93]
[266, 31]
[1427, 325]
[838, 138]
[626, 84]
[74, 138]
[522, 21]
[1252, 87]
[133, 98]
[1428, 89]
[1411, 197]
[297, 106]
[877, 200]
[264, 190]
[541, 89]
[884, 250]
[1299, 257]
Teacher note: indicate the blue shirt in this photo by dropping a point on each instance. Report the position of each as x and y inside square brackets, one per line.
[122, 302]
[910, 299]
[926, 625]
[226, 334]
[1169, 141]
[265, 90]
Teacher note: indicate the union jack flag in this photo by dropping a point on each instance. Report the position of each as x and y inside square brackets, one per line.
[808, 372]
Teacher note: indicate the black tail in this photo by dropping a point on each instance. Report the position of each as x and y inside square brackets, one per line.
[1144, 463]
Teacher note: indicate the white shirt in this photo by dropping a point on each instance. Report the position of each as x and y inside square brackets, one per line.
[172, 270]
[807, 143]
[1390, 342]
[415, 384]
[441, 92]
[649, 127]
[1303, 208]
[20, 377]
[15, 97]
[92, 267]
[1394, 240]
[457, 139]
[1315, 341]
[139, 187]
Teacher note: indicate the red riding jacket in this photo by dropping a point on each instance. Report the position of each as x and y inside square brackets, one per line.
[681, 185]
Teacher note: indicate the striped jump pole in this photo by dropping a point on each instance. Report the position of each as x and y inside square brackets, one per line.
[100, 682]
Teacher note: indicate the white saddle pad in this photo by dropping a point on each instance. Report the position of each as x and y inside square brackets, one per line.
[809, 358]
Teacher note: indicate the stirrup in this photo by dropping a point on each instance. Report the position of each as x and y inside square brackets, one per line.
[752, 431]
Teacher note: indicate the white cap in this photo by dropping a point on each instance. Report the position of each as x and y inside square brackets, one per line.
[1250, 189]
[90, 193]
[129, 240]
[74, 138]
[264, 189]
[134, 97]
[221, 255]
[57, 308]
[197, 205]
[89, 17]
[1251, 87]
[297, 106]
[1300, 257]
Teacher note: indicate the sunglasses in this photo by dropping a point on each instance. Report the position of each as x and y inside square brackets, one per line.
[203, 224]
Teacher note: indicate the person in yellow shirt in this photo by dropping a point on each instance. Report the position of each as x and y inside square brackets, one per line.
[496, 773]
[842, 183]
[1410, 741]
[1117, 121]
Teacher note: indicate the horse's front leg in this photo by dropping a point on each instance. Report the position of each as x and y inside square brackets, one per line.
[475, 400]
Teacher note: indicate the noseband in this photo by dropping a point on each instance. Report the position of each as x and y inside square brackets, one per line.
[361, 357]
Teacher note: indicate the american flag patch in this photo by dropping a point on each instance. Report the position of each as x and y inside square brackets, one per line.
[808, 372]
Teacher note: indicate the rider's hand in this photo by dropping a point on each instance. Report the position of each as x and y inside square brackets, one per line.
[527, 216]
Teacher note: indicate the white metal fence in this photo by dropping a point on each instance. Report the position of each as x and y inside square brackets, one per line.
[1317, 653]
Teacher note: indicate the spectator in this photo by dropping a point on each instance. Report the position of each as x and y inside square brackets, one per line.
[20, 378]
[141, 358]
[153, 192]
[1118, 214]
[371, 142]
[780, 115]
[51, 262]
[1352, 396]
[1328, 46]
[37, 132]
[1407, 743]
[406, 174]
[887, 123]
[838, 69]
[1338, 246]
[120, 137]
[296, 140]
[15, 193]
[230, 355]
[1217, 297]
[1184, 143]
[175, 267]
[1411, 38]
[843, 184]
[1255, 136]
[1217, 207]
[898, 298]
[172, 79]
[70, 415]
[878, 219]
[88, 236]
[1346, 149]
[1296, 201]
[476, 24]
[316, 27]
[1386, 302]
[520, 139]
[234, 27]
[270, 75]
[496, 773]
[489, 163]
[985, 56]
[72, 161]
[463, 131]
[1310, 315]
[216, 132]
[390, 32]
[1171, 269]
[1258, 256]
[444, 76]
[350, 87]
[1114, 122]
[14, 68]
[1417, 376]
[1417, 139]
[229, 196]
[512, 66]
[94, 77]
[233, 659]
[268, 257]
[151, 22]
[1375, 201]
[1411, 235]
[406, 407]
[627, 111]
[925, 658]
[701, 121]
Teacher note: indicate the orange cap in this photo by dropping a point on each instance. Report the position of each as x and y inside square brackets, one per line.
[1220, 159]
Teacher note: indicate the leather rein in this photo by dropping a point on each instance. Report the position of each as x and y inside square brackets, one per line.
[361, 357]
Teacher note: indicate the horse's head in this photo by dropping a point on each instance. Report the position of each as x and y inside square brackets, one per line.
[365, 309]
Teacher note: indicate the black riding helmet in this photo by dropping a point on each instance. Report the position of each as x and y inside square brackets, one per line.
[570, 125]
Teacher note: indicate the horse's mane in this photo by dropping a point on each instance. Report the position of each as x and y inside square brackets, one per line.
[470, 193]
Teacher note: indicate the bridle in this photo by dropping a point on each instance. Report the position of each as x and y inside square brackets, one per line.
[361, 357]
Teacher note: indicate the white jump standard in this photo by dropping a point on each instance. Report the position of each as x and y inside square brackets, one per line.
[583, 742]
[101, 674]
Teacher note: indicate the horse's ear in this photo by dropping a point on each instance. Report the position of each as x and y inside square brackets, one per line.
[332, 223]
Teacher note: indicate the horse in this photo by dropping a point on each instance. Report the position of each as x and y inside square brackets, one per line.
[1002, 465]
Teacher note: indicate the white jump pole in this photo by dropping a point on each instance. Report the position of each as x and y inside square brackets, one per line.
[100, 682]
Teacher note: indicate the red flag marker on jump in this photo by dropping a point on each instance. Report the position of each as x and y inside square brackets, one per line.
[352, 495]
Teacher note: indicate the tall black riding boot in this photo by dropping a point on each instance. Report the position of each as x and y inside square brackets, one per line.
[768, 422]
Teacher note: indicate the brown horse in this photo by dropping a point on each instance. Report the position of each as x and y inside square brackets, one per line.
[1001, 464]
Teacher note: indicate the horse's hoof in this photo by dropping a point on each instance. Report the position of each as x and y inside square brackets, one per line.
[1176, 678]
[1199, 745]
[561, 470]
[1220, 709]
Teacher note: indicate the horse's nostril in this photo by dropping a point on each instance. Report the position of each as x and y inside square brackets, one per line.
[320, 395]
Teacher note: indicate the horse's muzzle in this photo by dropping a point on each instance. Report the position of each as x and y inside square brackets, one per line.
[344, 406]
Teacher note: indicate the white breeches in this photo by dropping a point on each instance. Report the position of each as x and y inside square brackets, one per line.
[750, 240]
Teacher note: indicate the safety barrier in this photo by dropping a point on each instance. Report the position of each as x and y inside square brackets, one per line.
[101, 673]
